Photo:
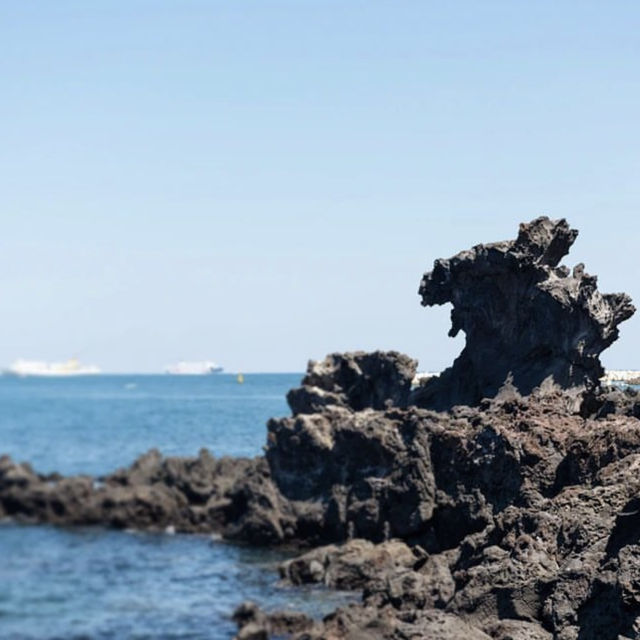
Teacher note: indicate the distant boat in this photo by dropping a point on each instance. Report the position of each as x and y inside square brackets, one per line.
[193, 368]
[629, 376]
[71, 367]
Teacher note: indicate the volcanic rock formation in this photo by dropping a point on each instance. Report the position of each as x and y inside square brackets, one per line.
[527, 320]
[514, 520]
[199, 494]
[511, 518]
[356, 381]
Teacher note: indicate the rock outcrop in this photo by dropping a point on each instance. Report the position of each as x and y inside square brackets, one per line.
[356, 381]
[528, 528]
[508, 516]
[231, 497]
[255, 624]
[351, 565]
[514, 519]
[526, 319]
[360, 623]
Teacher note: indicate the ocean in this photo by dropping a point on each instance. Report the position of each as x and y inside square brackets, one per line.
[94, 583]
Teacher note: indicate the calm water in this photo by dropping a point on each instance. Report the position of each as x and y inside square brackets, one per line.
[92, 583]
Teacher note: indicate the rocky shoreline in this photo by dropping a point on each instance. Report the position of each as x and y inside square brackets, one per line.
[498, 500]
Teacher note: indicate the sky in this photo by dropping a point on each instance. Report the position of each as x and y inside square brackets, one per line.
[262, 182]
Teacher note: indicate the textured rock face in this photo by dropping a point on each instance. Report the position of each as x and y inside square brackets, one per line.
[351, 565]
[525, 318]
[347, 474]
[233, 497]
[341, 459]
[355, 380]
[528, 525]
[360, 623]
[514, 519]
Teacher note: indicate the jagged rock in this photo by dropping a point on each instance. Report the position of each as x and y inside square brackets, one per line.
[364, 474]
[526, 499]
[348, 566]
[512, 518]
[372, 623]
[514, 511]
[356, 381]
[201, 494]
[427, 584]
[517, 630]
[602, 402]
[255, 624]
[526, 319]
[257, 513]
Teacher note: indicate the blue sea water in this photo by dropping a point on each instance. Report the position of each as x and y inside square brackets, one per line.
[95, 583]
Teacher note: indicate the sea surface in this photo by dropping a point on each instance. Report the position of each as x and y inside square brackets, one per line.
[96, 583]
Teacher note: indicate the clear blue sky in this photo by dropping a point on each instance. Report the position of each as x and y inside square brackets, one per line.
[261, 182]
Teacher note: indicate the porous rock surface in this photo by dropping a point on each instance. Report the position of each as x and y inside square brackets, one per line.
[351, 565]
[515, 519]
[356, 380]
[526, 319]
[201, 494]
[527, 526]
[512, 518]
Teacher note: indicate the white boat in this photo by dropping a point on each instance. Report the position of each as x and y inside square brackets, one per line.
[71, 367]
[628, 376]
[193, 368]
